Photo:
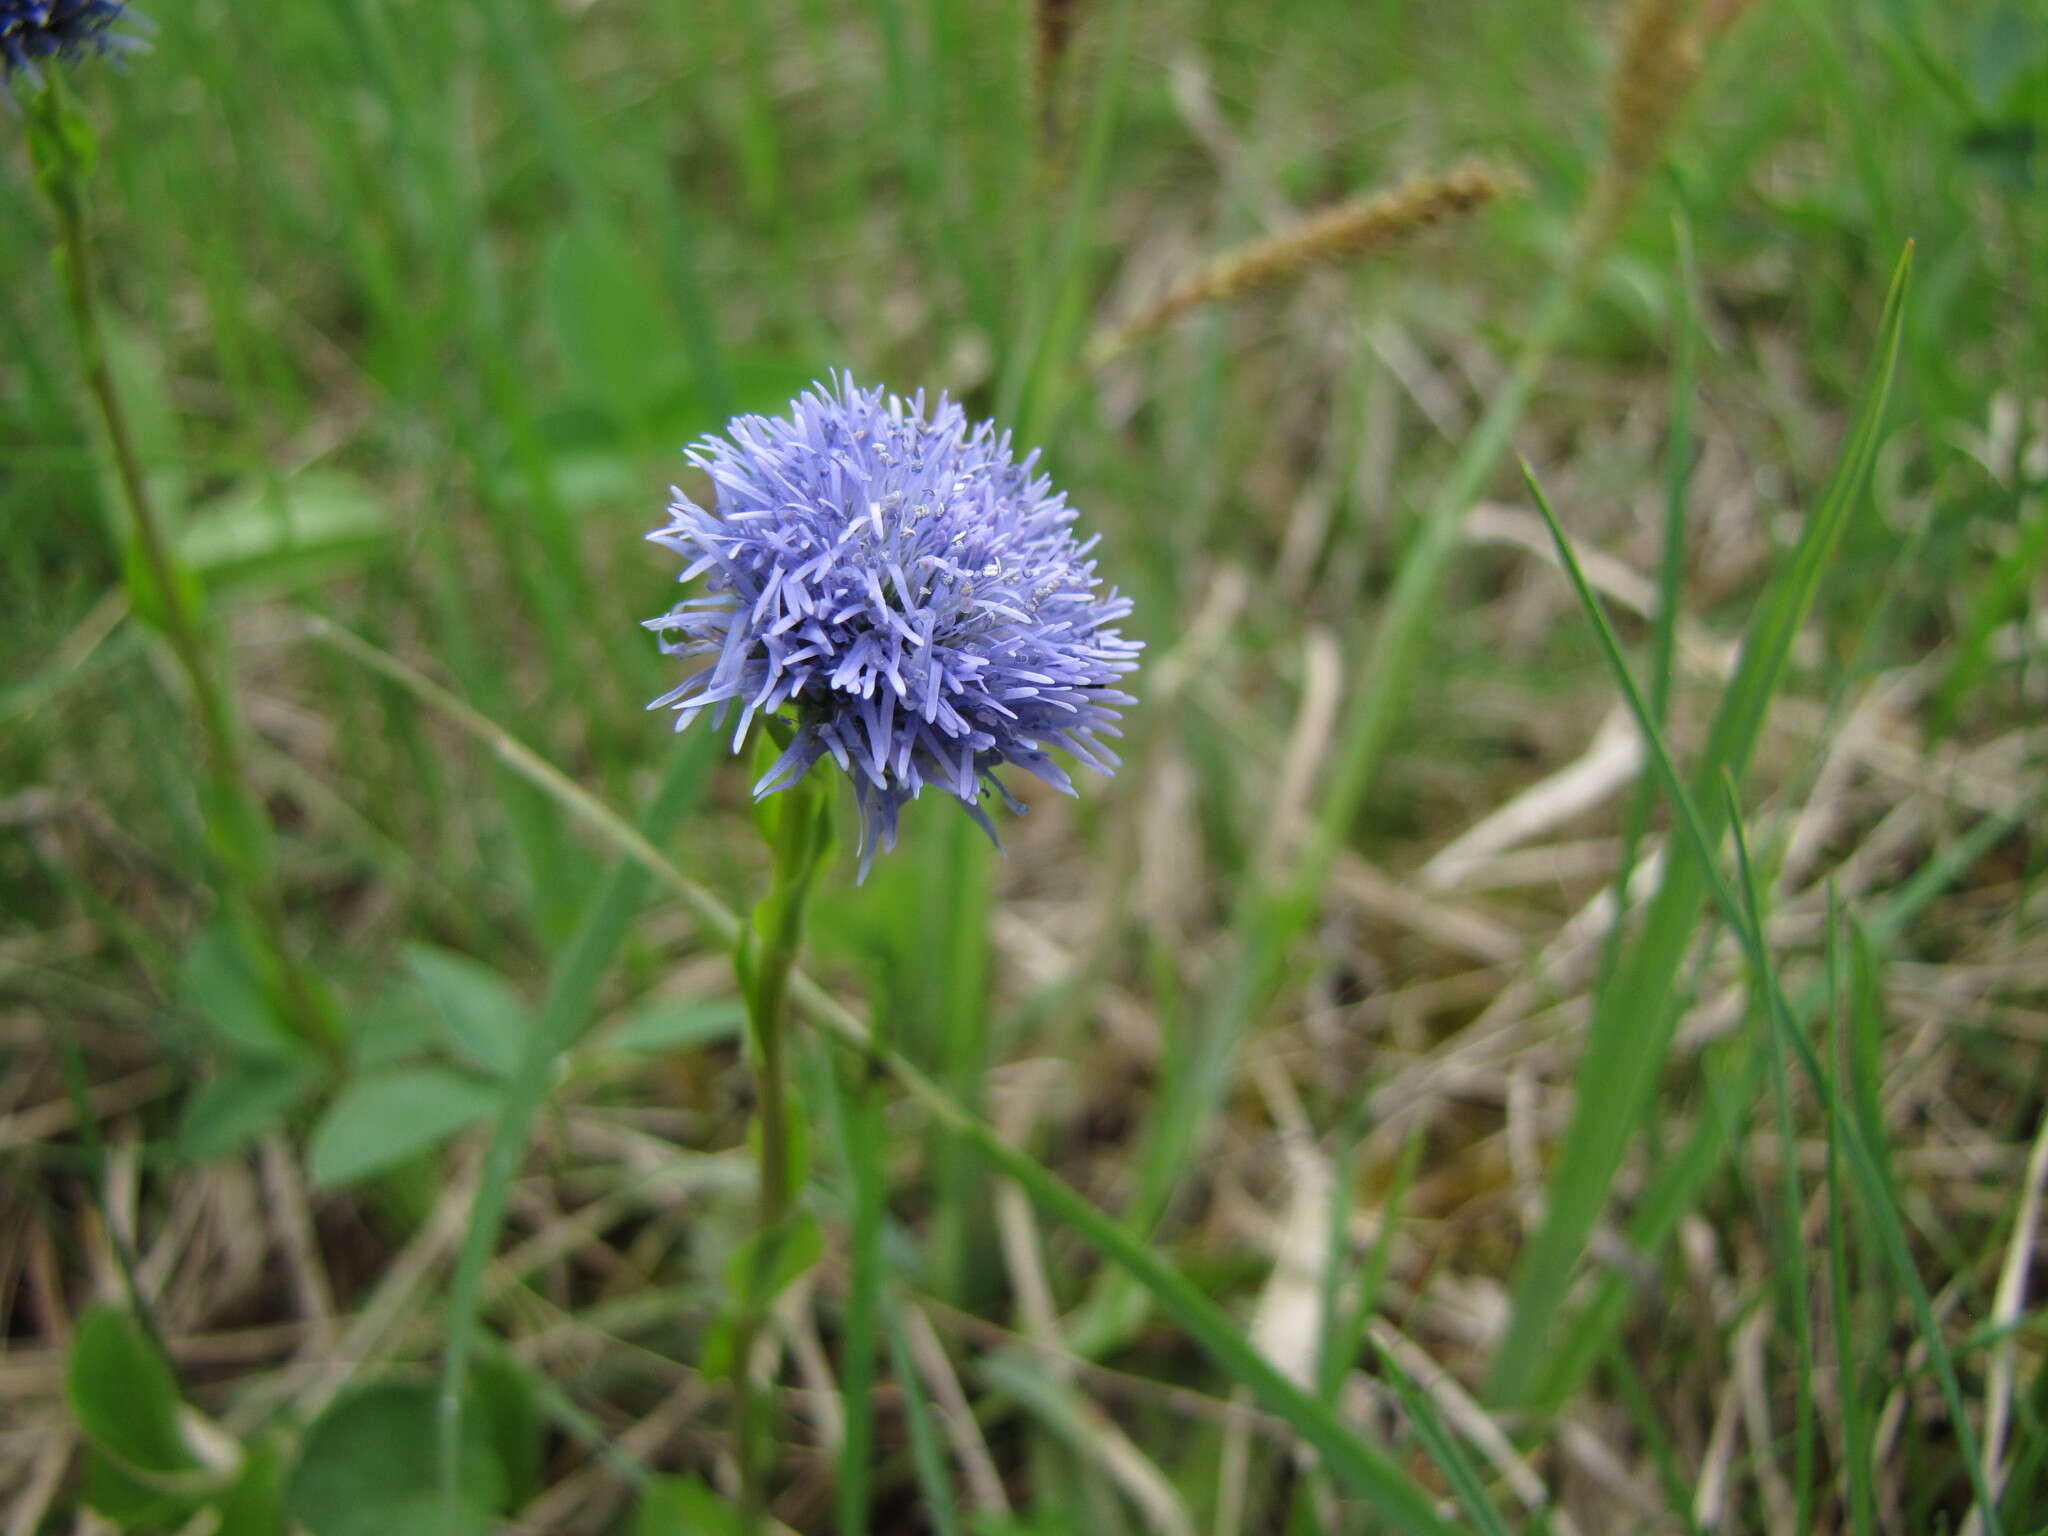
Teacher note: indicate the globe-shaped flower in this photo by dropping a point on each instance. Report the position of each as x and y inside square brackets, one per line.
[908, 589]
[60, 29]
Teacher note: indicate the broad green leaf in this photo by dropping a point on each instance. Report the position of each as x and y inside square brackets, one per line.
[398, 1023]
[122, 1392]
[381, 1120]
[683, 1506]
[244, 1099]
[108, 1489]
[367, 1469]
[254, 1506]
[477, 1012]
[665, 1027]
[502, 1398]
[220, 989]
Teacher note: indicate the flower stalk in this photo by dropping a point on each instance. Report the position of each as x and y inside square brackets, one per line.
[63, 148]
[797, 826]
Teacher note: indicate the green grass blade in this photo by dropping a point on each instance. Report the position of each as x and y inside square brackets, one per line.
[927, 1456]
[1634, 1017]
[1791, 1268]
[1268, 922]
[1443, 1448]
[1858, 1472]
[1395, 656]
[1683, 1178]
[1740, 916]
[1663, 642]
[1879, 1200]
[959, 955]
[1040, 354]
[1625, 1376]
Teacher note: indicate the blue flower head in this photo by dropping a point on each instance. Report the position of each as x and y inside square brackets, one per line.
[910, 591]
[61, 30]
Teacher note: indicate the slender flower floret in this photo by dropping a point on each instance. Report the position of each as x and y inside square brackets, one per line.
[31, 30]
[907, 590]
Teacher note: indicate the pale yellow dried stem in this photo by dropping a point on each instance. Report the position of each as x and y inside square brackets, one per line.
[1662, 50]
[1346, 232]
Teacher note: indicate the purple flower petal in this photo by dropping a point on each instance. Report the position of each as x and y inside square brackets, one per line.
[911, 590]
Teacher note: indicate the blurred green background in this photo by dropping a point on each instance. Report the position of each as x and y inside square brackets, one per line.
[413, 305]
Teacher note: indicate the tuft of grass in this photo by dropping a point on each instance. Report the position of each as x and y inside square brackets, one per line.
[1635, 1013]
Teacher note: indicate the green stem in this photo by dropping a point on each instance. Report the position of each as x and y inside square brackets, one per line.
[237, 820]
[797, 826]
[861, 1153]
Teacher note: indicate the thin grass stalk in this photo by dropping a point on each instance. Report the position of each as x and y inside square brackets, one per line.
[1654, 60]
[1625, 1374]
[1794, 1288]
[540, 97]
[960, 1219]
[1270, 919]
[93, 1147]
[1343, 1338]
[1368, 1473]
[1858, 1472]
[1053, 23]
[239, 828]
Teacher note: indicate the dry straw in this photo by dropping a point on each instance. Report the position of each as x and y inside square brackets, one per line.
[1662, 48]
[1346, 232]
